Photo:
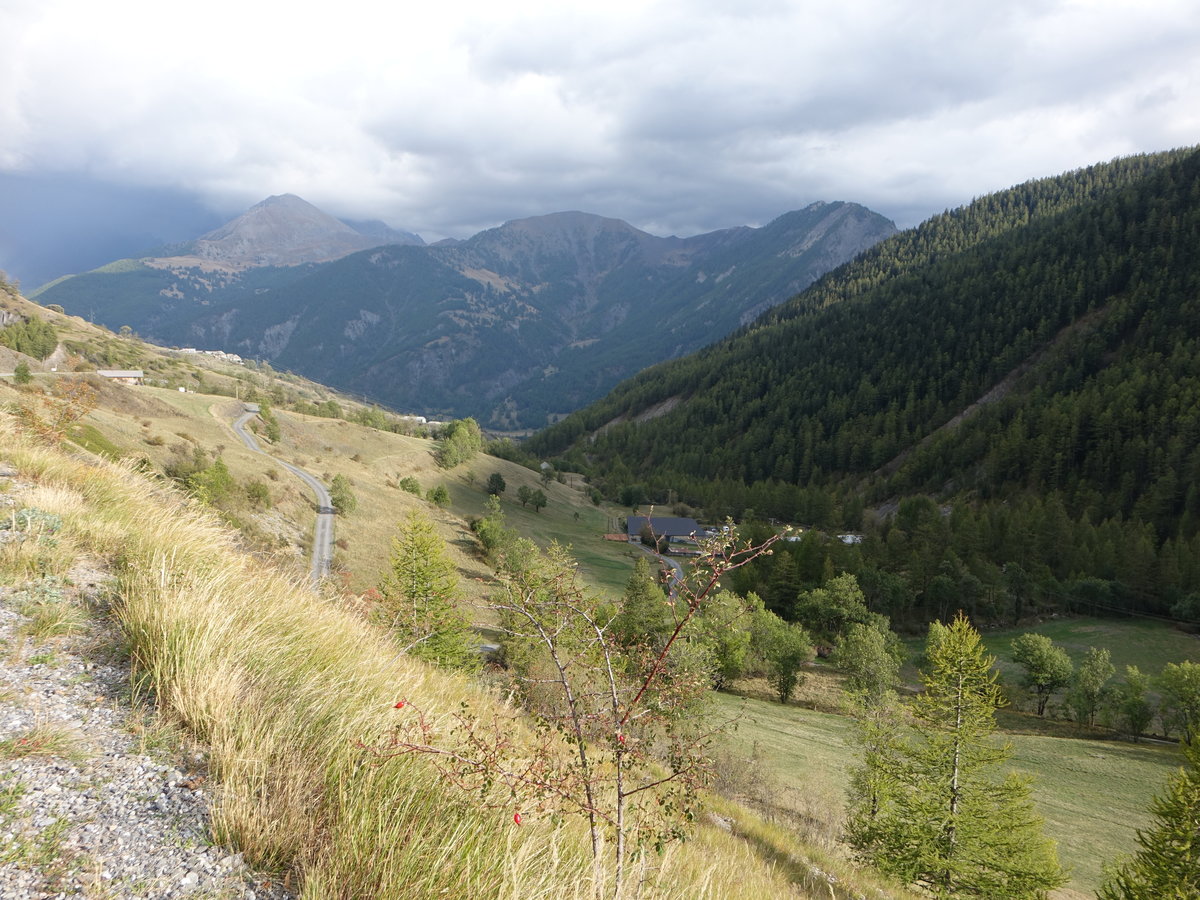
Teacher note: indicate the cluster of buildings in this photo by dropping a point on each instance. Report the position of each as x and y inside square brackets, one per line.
[681, 534]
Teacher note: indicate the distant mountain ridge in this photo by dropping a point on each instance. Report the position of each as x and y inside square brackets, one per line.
[517, 325]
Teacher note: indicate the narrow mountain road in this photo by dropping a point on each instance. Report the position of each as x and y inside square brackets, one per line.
[322, 551]
[674, 564]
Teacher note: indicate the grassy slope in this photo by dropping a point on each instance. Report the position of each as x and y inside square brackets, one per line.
[1093, 793]
[147, 421]
[1131, 642]
[281, 684]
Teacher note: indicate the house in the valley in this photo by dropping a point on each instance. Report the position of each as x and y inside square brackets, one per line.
[678, 533]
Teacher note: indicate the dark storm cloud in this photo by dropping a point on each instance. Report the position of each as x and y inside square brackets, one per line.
[677, 116]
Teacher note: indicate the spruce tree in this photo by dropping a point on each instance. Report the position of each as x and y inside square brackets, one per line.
[929, 806]
[1167, 867]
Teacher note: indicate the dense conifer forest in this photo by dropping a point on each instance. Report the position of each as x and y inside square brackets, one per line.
[1015, 384]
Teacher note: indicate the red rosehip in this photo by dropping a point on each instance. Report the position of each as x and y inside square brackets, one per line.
[399, 705]
[516, 818]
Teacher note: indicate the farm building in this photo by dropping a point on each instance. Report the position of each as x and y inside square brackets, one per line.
[662, 526]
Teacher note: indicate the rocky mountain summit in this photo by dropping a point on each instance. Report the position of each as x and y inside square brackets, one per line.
[285, 230]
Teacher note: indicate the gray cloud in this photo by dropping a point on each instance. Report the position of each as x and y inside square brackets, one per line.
[678, 116]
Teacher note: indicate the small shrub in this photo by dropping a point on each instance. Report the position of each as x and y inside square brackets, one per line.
[33, 521]
[341, 495]
[49, 612]
[258, 495]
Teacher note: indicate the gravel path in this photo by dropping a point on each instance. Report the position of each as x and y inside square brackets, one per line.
[322, 552]
[97, 799]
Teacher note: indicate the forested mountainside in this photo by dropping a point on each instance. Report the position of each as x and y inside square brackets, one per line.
[515, 326]
[1032, 357]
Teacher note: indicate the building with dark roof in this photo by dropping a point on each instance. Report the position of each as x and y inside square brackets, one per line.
[662, 526]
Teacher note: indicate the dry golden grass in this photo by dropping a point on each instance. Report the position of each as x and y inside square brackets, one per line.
[150, 422]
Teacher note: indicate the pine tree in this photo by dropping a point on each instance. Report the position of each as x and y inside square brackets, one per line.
[1168, 865]
[927, 806]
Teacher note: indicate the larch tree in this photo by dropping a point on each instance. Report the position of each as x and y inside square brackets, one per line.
[1167, 867]
[644, 615]
[420, 598]
[929, 805]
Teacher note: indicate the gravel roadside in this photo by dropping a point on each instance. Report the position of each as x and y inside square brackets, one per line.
[97, 798]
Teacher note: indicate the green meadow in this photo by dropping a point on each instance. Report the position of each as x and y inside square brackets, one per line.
[1093, 793]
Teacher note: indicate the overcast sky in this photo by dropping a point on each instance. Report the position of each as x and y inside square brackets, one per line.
[447, 117]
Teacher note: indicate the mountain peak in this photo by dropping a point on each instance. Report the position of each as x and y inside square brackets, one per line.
[574, 233]
[284, 200]
[285, 230]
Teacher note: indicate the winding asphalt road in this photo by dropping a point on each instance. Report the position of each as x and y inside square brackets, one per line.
[322, 552]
